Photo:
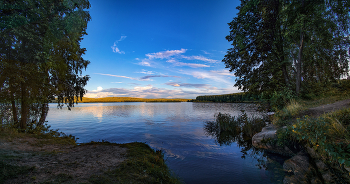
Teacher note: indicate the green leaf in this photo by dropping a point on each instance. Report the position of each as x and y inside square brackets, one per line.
[341, 161]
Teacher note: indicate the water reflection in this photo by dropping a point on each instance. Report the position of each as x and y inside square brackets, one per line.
[176, 129]
[226, 130]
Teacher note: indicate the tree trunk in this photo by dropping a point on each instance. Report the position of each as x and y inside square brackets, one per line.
[300, 55]
[24, 108]
[44, 111]
[14, 110]
[298, 64]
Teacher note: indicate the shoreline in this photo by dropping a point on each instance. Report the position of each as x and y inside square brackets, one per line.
[29, 158]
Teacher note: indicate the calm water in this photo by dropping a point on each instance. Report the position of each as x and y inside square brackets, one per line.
[175, 128]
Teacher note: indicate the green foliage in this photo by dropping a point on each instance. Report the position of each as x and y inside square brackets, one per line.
[288, 44]
[280, 99]
[40, 55]
[328, 135]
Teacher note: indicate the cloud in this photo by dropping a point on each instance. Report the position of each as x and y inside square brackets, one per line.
[147, 77]
[193, 65]
[144, 62]
[117, 82]
[150, 91]
[117, 76]
[115, 48]
[201, 58]
[146, 72]
[165, 54]
[121, 38]
[223, 72]
[144, 78]
[206, 86]
[99, 88]
[219, 77]
[205, 52]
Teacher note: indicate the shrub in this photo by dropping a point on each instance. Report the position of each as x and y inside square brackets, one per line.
[279, 99]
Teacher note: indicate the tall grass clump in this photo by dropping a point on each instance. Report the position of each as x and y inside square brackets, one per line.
[227, 129]
[286, 115]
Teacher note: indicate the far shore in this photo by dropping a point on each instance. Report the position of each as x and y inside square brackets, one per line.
[127, 99]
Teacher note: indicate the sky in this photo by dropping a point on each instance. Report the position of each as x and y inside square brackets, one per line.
[158, 49]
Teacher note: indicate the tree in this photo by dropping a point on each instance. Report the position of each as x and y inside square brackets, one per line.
[279, 43]
[40, 55]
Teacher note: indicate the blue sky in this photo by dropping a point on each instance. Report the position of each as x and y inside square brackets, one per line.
[158, 49]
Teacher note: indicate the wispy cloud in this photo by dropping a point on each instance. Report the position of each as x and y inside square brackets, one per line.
[205, 52]
[201, 58]
[144, 78]
[222, 72]
[146, 72]
[115, 48]
[210, 75]
[173, 56]
[192, 65]
[175, 84]
[117, 82]
[117, 76]
[165, 54]
[147, 77]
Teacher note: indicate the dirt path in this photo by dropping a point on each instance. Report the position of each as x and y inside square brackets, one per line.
[317, 111]
[60, 163]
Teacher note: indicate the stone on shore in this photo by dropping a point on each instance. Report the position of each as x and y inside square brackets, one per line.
[266, 139]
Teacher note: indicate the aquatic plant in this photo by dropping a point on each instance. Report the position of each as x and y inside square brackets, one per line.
[227, 129]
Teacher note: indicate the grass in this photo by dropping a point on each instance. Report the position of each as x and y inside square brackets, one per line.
[8, 171]
[143, 165]
[287, 115]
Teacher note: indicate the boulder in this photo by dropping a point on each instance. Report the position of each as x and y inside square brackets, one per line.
[299, 167]
[266, 139]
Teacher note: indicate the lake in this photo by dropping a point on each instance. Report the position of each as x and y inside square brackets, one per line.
[178, 130]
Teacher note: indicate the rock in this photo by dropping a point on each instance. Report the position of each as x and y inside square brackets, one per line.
[321, 166]
[316, 180]
[327, 177]
[266, 138]
[292, 180]
[299, 166]
[312, 152]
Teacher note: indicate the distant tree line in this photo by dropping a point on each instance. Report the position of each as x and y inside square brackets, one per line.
[230, 98]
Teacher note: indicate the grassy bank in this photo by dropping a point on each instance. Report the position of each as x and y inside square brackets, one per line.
[327, 133]
[141, 165]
